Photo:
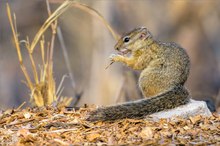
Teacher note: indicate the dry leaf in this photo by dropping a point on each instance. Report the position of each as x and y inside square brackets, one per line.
[23, 132]
[73, 129]
[27, 115]
[146, 133]
[195, 119]
[91, 137]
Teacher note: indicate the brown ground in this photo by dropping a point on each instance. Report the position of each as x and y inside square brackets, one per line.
[52, 126]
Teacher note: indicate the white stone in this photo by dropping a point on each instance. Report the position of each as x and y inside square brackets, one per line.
[191, 109]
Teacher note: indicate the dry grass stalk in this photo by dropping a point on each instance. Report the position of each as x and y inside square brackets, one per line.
[95, 13]
[60, 10]
[15, 35]
[43, 89]
[53, 17]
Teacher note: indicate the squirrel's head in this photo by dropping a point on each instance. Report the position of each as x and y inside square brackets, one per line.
[133, 40]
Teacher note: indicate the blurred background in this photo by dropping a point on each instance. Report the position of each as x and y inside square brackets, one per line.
[192, 24]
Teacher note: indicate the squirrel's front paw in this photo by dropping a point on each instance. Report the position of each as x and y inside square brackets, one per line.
[115, 57]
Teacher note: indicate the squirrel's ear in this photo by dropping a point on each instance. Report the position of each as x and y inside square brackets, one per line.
[144, 35]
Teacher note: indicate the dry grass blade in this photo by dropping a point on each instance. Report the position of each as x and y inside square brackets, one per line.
[98, 15]
[109, 65]
[17, 46]
[55, 28]
[59, 11]
[43, 89]
[33, 65]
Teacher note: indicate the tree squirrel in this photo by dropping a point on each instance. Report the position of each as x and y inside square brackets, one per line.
[165, 68]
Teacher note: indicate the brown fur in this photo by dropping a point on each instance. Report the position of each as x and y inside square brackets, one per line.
[165, 68]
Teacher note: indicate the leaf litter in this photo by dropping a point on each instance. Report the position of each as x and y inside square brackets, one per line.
[61, 126]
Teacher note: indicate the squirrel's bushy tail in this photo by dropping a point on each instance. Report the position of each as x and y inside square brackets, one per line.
[138, 109]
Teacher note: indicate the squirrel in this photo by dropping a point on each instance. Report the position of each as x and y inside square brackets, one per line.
[164, 70]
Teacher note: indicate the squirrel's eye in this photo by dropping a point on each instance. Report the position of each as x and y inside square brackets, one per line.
[126, 39]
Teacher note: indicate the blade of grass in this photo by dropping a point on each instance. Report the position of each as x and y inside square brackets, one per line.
[65, 54]
[17, 46]
[42, 50]
[33, 65]
[95, 13]
[59, 11]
